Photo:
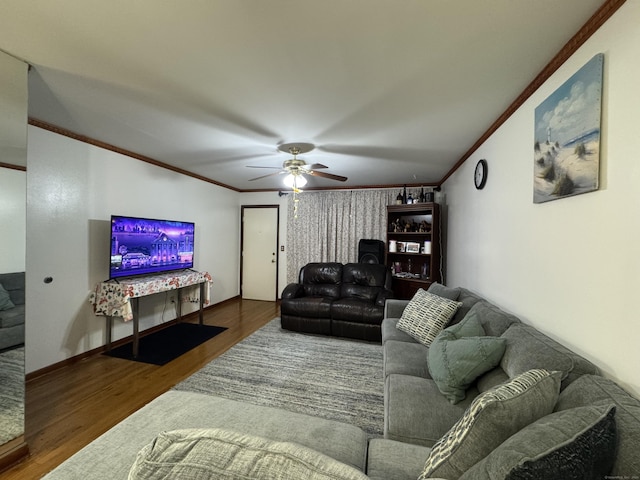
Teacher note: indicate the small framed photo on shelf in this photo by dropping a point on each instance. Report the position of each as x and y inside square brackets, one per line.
[412, 247]
[401, 246]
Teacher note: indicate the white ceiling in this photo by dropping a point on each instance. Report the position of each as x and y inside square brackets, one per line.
[389, 91]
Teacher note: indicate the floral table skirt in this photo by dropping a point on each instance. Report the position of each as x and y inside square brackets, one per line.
[114, 298]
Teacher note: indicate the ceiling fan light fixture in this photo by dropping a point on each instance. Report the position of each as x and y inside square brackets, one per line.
[295, 181]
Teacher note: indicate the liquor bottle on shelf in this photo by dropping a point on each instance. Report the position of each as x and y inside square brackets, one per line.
[404, 195]
[399, 199]
[422, 195]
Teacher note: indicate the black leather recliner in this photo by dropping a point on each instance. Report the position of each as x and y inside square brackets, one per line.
[335, 299]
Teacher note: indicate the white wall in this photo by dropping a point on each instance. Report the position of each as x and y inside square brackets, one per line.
[570, 267]
[72, 190]
[13, 193]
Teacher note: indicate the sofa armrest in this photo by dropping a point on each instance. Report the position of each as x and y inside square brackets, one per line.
[293, 290]
[388, 459]
[393, 308]
[383, 296]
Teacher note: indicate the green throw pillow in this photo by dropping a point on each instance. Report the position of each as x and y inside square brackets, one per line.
[197, 454]
[426, 315]
[5, 299]
[574, 444]
[460, 354]
[492, 417]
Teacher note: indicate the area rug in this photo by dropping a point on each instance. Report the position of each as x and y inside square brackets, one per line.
[160, 347]
[11, 394]
[329, 377]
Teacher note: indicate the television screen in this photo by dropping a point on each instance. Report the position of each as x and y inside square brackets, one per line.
[142, 246]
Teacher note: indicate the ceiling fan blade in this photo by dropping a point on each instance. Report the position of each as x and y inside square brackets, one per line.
[315, 166]
[268, 175]
[256, 166]
[330, 176]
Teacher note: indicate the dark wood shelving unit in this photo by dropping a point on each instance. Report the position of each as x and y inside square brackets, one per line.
[408, 228]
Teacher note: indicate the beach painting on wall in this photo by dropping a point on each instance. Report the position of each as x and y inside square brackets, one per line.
[567, 136]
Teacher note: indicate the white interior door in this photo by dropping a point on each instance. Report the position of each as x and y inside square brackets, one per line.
[259, 253]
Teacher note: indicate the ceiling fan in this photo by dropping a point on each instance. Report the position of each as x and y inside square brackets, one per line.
[296, 168]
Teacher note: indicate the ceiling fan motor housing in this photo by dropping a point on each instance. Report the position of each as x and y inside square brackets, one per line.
[294, 166]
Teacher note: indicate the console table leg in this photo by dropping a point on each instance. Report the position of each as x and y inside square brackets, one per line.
[109, 327]
[200, 313]
[179, 305]
[136, 332]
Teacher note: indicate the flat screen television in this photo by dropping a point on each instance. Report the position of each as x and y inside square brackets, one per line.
[141, 246]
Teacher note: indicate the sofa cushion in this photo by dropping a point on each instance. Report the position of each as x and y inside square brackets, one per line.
[217, 453]
[358, 310]
[391, 460]
[321, 272]
[325, 290]
[494, 321]
[460, 354]
[452, 293]
[492, 418]
[14, 284]
[365, 274]
[361, 292]
[389, 330]
[491, 379]
[416, 412]
[12, 317]
[312, 307]
[5, 299]
[597, 390]
[528, 348]
[321, 279]
[573, 444]
[426, 315]
[468, 299]
[405, 358]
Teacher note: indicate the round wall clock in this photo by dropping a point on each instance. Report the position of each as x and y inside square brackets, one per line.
[480, 176]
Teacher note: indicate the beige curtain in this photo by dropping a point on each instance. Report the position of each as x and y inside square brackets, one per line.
[329, 225]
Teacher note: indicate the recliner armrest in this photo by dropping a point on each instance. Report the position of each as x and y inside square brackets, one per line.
[383, 296]
[293, 290]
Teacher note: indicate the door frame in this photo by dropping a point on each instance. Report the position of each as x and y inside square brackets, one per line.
[243, 207]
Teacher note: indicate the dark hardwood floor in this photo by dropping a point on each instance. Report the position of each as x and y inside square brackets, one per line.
[71, 406]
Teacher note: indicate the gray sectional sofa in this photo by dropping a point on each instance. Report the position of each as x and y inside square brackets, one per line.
[416, 413]
[571, 414]
[12, 309]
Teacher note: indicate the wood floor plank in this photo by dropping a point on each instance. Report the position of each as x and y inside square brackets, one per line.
[70, 407]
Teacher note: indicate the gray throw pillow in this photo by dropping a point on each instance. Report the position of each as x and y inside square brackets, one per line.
[460, 354]
[198, 454]
[5, 299]
[452, 293]
[426, 315]
[491, 418]
[576, 444]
